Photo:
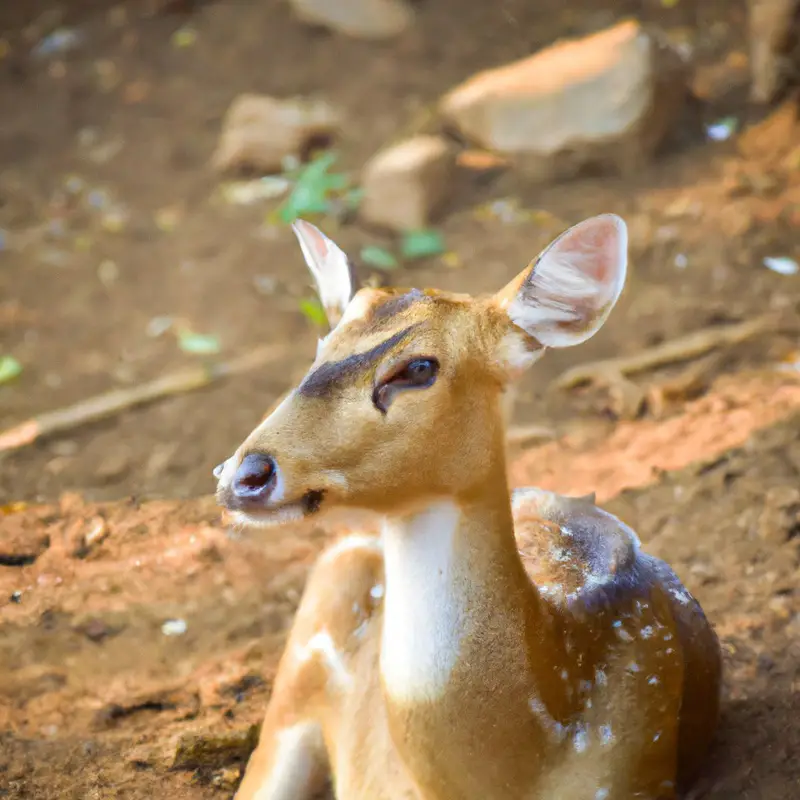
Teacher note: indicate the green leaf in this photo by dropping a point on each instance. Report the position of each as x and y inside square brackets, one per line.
[313, 311]
[378, 257]
[9, 368]
[198, 343]
[421, 244]
[313, 189]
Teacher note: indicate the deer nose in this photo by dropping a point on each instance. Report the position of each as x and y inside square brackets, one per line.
[255, 477]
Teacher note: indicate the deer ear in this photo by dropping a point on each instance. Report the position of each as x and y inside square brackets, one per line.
[564, 296]
[331, 268]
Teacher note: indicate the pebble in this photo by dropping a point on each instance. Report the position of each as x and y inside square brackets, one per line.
[359, 19]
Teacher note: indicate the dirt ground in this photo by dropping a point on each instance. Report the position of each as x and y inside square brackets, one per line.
[95, 699]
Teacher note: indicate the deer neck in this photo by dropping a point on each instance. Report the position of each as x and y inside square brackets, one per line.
[453, 579]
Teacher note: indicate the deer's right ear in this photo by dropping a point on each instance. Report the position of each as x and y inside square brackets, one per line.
[331, 268]
[566, 294]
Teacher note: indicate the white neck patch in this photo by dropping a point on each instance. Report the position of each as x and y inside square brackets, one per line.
[424, 616]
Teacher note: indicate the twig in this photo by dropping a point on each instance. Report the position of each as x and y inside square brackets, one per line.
[684, 348]
[105, 405]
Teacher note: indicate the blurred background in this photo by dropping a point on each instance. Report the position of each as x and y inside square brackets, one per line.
[154, 303]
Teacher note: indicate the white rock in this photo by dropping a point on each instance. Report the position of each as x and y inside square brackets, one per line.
[361, 19]
[405, 185]
[258, 132]
[611, 96]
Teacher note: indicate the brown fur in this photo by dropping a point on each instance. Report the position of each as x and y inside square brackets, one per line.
[585, 671]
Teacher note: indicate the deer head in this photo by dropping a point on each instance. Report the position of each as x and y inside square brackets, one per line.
[402, 403]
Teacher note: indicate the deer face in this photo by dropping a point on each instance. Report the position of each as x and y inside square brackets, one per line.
[402, 403]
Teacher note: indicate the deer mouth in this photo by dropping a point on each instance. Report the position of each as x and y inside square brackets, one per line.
[291, 511]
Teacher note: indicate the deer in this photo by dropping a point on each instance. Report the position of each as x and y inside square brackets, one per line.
[466, 641]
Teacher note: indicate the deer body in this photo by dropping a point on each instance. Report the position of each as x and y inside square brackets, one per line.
[478, 645]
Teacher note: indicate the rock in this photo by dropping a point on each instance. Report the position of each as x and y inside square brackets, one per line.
[259, 132]
[21, 547]
[610, 97]
[113, 467]
[90, 536]
[774, 46]
[215, 750]
[361, 19]
[405, 185]
[97, 630]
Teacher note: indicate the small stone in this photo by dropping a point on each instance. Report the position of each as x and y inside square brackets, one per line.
[93, 534]
[216, 751]
[360, 19]
[96, 629]
[113, 467]
[22, 547]
[610, 98]
[174, 627]
[405, 185]
[96, 532]
[227, 778]
[259, 132]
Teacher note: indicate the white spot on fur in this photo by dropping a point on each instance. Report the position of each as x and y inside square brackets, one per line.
[321, 644]
[623, 635]
[602, 794]
[294, 764]
[423, 614]
[552, 726]
[376, 592]
[580, 740]
[606, 735]
[600, 677]
[682, 596]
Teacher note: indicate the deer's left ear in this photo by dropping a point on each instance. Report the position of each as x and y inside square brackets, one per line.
[565, 295]
[331, 268]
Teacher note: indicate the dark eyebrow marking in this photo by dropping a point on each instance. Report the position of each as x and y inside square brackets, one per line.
[334, 374]
[398, 304]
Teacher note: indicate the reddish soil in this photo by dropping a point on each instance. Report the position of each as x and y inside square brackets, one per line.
[95, 700]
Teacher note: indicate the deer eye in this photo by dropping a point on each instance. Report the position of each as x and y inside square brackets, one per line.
[419, 373]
